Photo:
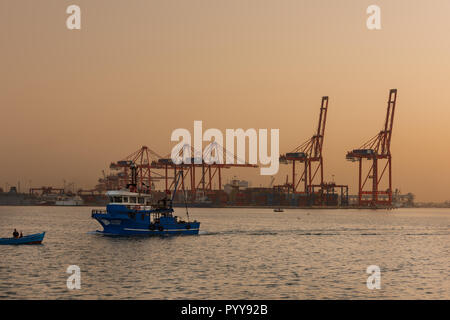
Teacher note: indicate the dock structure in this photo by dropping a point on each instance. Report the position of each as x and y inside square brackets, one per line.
[304, 187]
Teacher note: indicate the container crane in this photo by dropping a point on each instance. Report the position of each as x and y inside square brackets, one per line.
[209, 172]
[309, 154]
[376, 150]
[142, 159]
[152, 167]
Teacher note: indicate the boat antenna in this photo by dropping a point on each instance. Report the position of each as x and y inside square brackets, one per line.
[178, 177]
[185, 203]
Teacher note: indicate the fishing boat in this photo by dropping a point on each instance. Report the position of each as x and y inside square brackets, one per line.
[30, 239]
[132, 212]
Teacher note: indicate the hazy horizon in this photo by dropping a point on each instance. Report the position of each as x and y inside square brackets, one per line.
[74, 101]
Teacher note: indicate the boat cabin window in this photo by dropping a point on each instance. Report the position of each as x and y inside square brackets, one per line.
[118, 199]
[125, 199]
[141, 200]
[132, 199]
[148, 201]
[111, 199]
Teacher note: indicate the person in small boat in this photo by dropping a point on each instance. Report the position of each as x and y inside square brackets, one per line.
[21, 234]
[15, 234]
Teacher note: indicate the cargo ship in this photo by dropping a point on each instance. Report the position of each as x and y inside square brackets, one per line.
[69, 201]
[15, 198]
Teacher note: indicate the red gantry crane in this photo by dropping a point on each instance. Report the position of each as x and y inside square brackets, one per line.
[149, 165]
[209, 172]
[376, 150]
[144, 168]
[310, 155]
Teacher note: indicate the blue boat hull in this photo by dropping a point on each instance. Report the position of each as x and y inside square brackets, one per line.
[120, 220]
[30, 239]
[145, 232]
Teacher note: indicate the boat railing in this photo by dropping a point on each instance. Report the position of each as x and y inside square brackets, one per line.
[96, 211]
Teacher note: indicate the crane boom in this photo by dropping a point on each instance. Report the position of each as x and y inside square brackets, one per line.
[389, 121]
[319, 137]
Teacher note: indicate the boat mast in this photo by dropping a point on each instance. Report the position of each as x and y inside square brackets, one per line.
[179, 176]
[133, 185]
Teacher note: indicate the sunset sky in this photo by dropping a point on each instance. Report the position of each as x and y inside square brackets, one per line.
[72, 101]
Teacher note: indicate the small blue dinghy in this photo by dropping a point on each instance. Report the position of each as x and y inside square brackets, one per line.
[31, 239]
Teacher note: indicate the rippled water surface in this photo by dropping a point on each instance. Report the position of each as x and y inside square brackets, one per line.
[240, 254]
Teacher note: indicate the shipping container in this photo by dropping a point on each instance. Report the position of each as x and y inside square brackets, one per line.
[298, 155]
[165, 161]
[124, 163]
[364, 151]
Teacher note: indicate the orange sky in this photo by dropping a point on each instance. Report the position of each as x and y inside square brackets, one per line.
[73, 101]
